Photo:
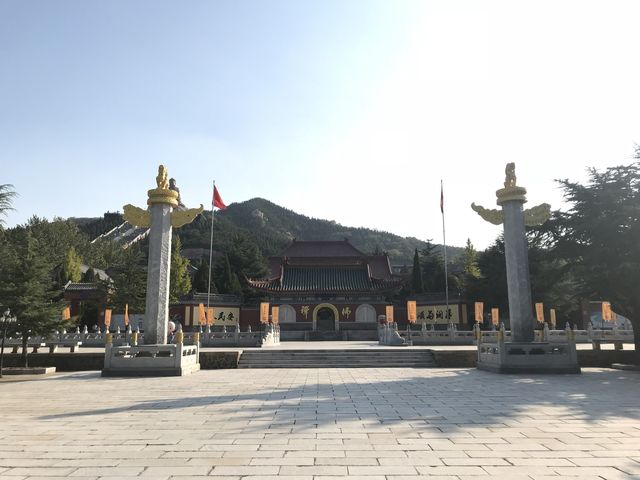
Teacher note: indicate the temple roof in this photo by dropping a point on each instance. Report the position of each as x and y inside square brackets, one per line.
[327, 267]
[81, 286]
[323, 279]
[342, 248]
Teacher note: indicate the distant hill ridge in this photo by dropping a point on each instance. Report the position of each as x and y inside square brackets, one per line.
[273, 227]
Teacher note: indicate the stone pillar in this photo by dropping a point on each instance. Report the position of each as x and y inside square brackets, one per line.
[157, 301]
[517, 262]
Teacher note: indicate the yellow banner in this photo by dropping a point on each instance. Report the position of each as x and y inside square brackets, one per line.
[275, 311]
[479, 307]
[552, 317]
[438, 314]
[211, 316]
[540, 312]
[412, 315]
[126, 314]
[107, 317]
[606, 312]
[66, 313]
[495, 316]
[202, 318]
[389, 313]
[264, 312]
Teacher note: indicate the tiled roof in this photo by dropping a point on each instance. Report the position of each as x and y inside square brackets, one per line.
[321, 249]
[216, 298]
[323, 279]
[81, 286]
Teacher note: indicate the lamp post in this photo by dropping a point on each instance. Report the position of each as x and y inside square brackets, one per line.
[5, 320]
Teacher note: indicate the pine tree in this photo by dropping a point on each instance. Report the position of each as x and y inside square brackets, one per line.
[179, 280]
[7, 195]
[432, 269]
[71, 267]
[201, 278]
[27, 287]
[90, 276]
[470, 268]
[129, 281]
[417, 285]
[226, 279]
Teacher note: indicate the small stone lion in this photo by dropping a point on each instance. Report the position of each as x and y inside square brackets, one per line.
[162, 178]
[510, 172]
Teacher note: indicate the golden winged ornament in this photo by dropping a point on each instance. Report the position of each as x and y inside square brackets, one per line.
[492, 216]
[182, 217]
[137, 216]
[537, 215]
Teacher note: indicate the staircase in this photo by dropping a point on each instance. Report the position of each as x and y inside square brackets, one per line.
[344, 358]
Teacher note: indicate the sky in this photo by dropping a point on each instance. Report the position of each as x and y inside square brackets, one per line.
[348, 110]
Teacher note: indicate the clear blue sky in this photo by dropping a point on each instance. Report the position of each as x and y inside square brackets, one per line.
[348, 110]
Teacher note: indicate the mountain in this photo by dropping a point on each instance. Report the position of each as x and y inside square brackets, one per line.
[272, 228]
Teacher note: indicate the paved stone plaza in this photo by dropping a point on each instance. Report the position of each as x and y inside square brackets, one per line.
[312, 424]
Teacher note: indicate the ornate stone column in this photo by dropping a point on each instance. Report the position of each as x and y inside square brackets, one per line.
[160, 218]
[517, 262]
[161, 203]
[511, 198]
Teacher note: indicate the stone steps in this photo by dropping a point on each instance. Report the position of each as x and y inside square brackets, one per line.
[371, 358]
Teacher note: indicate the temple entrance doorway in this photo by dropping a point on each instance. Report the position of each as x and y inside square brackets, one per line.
[326, 321]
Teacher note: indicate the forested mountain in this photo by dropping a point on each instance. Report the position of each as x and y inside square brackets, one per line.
[273, 227]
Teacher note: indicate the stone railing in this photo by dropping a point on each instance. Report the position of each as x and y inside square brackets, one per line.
[453, 336]
[207, 338]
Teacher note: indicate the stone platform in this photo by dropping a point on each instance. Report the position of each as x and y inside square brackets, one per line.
[323, 424]
[150, 360]
[528, 357]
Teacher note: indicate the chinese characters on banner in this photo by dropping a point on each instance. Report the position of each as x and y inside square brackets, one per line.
[540, 312]
[264, 312]
[275, 312]
[479, 310]
[202, 319]
[438, 314]
[606, 312]
[495, 316]
[210, 316]
[552, 318]
[107, 317]
[411, 311]
[389, 313]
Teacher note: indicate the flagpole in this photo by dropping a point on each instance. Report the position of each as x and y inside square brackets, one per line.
[444, 240]
[210, 250]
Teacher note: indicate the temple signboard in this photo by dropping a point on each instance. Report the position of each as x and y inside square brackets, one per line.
[438, 314]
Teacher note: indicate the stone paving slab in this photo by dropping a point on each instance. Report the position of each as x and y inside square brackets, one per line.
[323, 424]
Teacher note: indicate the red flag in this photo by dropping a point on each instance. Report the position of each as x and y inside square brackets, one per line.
[217, 199]
[441, 198]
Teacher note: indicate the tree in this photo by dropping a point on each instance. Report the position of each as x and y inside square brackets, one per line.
[129, 278]
[201, 278]
[7, 194]
[27, 287]
[491, 286]
[432, 269]
[71, 267]
[417, 285]
[90, 276]
[179, 280]
[599, 237]
[470, 268]
[245, 261]
[226, 279]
